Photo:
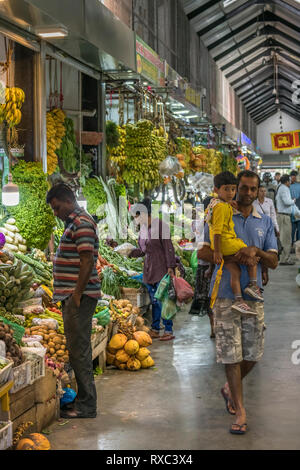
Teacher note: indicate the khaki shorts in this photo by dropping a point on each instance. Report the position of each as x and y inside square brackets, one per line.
[238, 337]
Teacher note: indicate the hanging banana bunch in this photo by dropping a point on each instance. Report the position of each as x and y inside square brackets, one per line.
[10, 111]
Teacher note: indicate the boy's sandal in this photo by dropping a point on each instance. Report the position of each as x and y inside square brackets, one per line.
[238, 431]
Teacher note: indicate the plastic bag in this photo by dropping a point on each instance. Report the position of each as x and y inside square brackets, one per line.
[36, 309]
[194, 261]
[172, 291]
[162, 290]
[50, 322]
[103, 317]
[170, 166]
[125, 249]
[184, 291]
[169, 309]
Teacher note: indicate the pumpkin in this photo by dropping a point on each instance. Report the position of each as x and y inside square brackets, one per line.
[131, 347]
[133, 364]
[122, 356]
[147, 363]
[143, 354]
[118, 341]
[122, 366]
[34, 441]
[142, 338]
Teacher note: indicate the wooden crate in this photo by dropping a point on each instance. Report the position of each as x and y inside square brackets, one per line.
[99, 350]
[45, 387]
[22, 401]
[29, 415]
[46, 413]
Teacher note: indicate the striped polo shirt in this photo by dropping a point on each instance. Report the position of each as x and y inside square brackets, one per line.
[80, 235]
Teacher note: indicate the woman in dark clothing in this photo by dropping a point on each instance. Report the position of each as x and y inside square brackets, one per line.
[156, 245]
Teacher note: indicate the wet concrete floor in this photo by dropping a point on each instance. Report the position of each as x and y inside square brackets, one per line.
[178, 405]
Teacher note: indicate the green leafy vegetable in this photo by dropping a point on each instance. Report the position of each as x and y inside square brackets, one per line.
[95, 195]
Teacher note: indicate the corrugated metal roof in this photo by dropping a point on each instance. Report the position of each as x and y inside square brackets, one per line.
[242, 38]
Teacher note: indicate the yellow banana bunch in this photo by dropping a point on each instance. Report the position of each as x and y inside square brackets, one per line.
[117, 154]
[11, 110]
[55, 133]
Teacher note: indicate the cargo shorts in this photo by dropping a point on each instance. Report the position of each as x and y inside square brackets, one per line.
[238, 337]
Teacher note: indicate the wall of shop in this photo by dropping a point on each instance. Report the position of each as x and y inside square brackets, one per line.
[122, 9]
[272, 125]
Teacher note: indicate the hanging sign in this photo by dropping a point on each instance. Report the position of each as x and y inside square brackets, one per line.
[286, 140]
[149, 64]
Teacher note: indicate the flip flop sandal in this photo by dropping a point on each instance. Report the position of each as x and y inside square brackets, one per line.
[236, 431]
[78, 415]
[227, 401]
[167, 338]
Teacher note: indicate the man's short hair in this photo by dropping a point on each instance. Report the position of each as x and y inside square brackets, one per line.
[284, 179]
[248, 174]
[294, 173]
[277, 173]
[62, 192]
[224, 178]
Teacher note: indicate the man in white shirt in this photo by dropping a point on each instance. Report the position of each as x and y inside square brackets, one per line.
[265, 205]
[285, 205]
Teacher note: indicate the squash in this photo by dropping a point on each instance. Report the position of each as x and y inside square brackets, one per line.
[143, 354]
[133, 364]
[122, 356]
[34, 441]
[142, 338]
[131, 347]
[118, 341]
[110, 358]
[147, 363]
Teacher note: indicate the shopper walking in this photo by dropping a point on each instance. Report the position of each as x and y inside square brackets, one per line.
[156, 246]
[295, 193]
[240, 340]
[265, 205]
[285, 205]
[77, 286]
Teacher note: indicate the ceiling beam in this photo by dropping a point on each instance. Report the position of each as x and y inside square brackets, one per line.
[287, 6]
[265, 112]
[250, 62]
[236, 46]
[257, 84]
[232, 33]
[245, 55]
[268, 102]
[267, 116]
[227, 16]
[250, 99]
[248, 74]
[202, 9]
[258, 104]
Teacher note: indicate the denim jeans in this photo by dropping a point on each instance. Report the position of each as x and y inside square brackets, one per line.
[156, 311]
[295, 231]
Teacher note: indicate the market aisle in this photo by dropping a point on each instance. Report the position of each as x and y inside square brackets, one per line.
[178, 405]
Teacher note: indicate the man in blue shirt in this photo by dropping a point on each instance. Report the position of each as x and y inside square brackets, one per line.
[295, 193]
[240, 340]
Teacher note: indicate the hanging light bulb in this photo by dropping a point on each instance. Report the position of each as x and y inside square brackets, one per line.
[81, 201]
[10, 193]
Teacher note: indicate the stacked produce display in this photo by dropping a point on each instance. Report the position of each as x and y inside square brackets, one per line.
[145, 151]
[12, 99]
[129, 351]
[117, 154]
[55, 133]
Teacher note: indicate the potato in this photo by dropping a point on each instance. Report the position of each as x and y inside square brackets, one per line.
[52, 351]
[56, 339]
[60, 352]
[57, 346]
[64, 341]
[63, 347]
[65, 358]
[52, 335]
[51, 344]
[52, 331]
[46, 337]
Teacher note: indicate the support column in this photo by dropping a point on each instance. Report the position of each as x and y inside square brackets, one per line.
[40, 107]
[102, 157]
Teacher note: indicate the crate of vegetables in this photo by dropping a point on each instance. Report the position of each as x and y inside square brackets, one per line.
[6, 434]
[5, 370]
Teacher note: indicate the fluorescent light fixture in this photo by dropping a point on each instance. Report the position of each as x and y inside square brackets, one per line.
[52, 32]
[193, 117]
[177, 105]
[226, 3]
[181, 112]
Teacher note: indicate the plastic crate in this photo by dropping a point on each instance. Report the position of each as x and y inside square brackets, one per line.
[5, 373]
[6, 435]
[37, 363]
[21, 376]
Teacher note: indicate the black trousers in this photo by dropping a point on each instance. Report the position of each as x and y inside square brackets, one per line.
[78, 329]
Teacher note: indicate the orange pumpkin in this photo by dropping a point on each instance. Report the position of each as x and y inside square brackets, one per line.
[34, 441]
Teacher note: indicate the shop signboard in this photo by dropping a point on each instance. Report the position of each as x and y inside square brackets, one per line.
[149, 64]
[286, 140]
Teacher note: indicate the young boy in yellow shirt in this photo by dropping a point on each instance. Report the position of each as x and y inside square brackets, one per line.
[224, 241]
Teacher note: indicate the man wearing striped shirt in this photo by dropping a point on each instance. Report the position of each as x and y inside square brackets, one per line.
[77, 286]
